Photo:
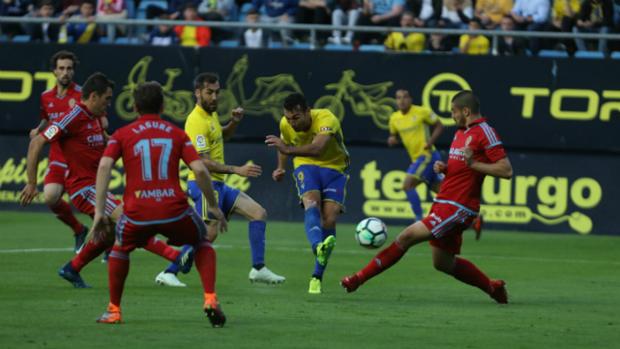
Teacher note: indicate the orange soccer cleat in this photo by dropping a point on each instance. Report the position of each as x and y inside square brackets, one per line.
[112, 315]
[477, 225]
[499, 292]
[214, 311]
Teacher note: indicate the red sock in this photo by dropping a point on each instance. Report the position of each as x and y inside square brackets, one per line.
[89, 252]
[160, 248]
[205, 263]
[118, 268]
[63, 212]
[382, 261]
[468, 273]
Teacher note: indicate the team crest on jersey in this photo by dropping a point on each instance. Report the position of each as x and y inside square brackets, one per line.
[72, 102]
[51, 131]
[201, 142]
[50, 105]
[325, 129]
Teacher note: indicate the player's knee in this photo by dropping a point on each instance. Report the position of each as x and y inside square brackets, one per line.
[260, 214]
[442, 266]
[50, 198]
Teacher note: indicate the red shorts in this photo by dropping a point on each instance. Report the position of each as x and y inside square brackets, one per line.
[56, 173]
[187, 229]
[447, 223]
[85, 200]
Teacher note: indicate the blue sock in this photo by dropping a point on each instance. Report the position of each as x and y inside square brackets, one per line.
[414, 200]
[320, 269]
[312, 222]
[256, 234]
[172, 268]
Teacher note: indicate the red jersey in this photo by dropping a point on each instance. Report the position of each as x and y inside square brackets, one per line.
[80, 137]
[463, 185]
[54, 107]
[151, 149]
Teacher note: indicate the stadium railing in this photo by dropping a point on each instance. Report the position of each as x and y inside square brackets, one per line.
[314, 28]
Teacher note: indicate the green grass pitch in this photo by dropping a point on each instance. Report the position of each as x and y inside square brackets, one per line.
[563, 289]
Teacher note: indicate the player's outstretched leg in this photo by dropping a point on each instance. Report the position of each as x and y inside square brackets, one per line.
[206, 264]
[53, 199]
[315, 286]
[183, 263]
[466, 272]
[71, 270]
[260, 272]
[118, 268]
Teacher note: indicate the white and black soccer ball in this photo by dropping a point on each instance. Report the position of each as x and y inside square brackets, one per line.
[371, 233]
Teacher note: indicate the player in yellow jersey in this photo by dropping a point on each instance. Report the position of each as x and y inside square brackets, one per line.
[314, 138]
[410, 125]
[207, 135]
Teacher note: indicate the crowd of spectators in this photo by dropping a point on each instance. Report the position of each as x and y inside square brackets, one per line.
[577, 16]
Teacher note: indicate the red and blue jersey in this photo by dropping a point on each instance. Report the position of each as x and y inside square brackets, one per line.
[462, 185]
[151, 149]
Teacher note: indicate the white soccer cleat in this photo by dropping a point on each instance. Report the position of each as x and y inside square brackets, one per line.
[266, 276]
[168, 279]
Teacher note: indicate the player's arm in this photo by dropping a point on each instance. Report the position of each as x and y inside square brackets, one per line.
[314, 149]
[32, 165]
[393, 137]
[438, 129]
[203, 180]
[501, 168]
[229, 130]
[247, 170]
[280, 171]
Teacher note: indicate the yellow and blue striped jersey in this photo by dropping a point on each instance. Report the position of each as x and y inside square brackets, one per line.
[205, 132]
[413, 129]
[335, 155]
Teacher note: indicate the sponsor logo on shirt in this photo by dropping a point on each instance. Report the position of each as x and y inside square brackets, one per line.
[200, 141]
[156, 194]
[325, 129]
[51, 131]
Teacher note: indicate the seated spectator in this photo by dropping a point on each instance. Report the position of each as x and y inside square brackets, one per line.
[508, 45]
[379, 13]
[277, 11]
[218, 10]
[595, 16]
[253, 37]
[83, 33]
[70, 7]
[345, 11]
[189, 35]
[13, 8]
[531, 15]
[111, 9]
[163, 35]
[472, 44]
[426, 13]
[439, 42]
[412, 42]
[46, 32]
[457, 13]
[313, 12]
[491, 12]
[563, 18]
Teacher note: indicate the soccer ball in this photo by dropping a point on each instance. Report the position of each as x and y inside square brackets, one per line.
[371, 233]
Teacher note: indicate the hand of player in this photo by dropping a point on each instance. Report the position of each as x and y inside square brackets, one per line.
[102, 229]
[440, 167]
[276, 142]
[468, 154]
[249, 170]
[237, 114]
[28, 194]
[34, 132]
[392, 141]
[278, 174]
[222, 224]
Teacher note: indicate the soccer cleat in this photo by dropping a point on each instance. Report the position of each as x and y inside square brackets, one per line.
[168, 279]
[214, 311]
[80, 239]
[350, 283]
[324, 249]
[266, 276]
[112, 315]
[499, 292]
[315, 286]
[477, 225]
[185, 260]
[68, 273]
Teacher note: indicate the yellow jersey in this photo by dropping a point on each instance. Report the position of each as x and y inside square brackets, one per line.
[335, 155]
[413, 129]
[478, 45]
[205, 132]
[413, 42]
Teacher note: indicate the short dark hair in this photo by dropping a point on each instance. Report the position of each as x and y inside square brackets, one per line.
[467, 99]
[203, 78]
[96, 83]
[46, 3]
[64, 54]
[148, 98]
[294, 100]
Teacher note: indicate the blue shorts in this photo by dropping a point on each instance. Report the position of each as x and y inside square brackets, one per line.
[330, 183]
[422, 168]
[226, 198]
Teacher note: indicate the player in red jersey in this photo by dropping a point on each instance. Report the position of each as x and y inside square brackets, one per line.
[475, 152]
[81, 139]
[54, 104]
[154, 202]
